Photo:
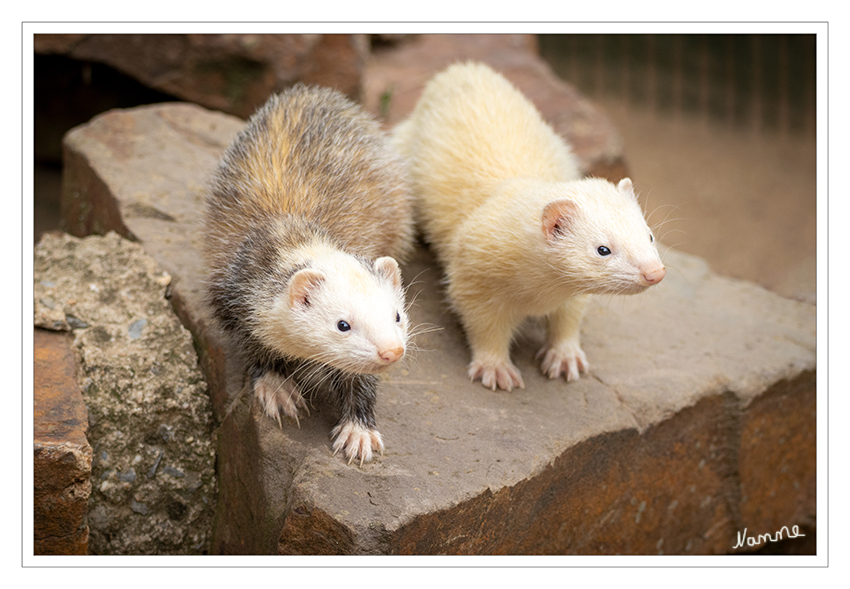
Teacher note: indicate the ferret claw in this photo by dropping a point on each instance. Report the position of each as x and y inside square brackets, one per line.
[503, 375]
[566, 358]
[279, 395]
[355, 440]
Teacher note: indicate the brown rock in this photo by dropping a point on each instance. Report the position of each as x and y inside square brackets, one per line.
[231, 73]
[778, 457]
[63, 457]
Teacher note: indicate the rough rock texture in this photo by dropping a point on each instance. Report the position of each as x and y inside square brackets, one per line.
[669, 446]
[230, 73]
[158, 160]
[150, 423]
[63, 456]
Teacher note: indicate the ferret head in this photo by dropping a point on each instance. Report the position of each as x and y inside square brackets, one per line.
[600, 239]
[343, 311]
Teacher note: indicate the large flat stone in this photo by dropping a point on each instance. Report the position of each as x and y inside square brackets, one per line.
[645, 455]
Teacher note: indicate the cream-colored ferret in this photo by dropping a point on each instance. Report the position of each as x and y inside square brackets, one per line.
[499, 198]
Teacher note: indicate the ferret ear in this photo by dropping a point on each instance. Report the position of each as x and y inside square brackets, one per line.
[302, 285]
[625, 186]
[558, 216]
[388, 267]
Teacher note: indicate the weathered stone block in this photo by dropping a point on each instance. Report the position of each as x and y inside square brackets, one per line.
[63, 456]
[150, 425]
[231, 73]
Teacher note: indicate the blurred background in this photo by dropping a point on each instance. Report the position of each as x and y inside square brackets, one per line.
[722, 129]
[718, 130]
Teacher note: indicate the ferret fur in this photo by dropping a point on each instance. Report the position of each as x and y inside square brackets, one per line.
[306, 215]
[500, 199]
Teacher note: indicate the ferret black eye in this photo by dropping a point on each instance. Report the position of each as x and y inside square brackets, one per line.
[343, 326]
[603, 251]
[651, 238]
[397, 318]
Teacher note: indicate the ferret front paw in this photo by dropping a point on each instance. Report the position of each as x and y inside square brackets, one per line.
[279, 395]
[566, 358]
[496, 374]
[355, 440]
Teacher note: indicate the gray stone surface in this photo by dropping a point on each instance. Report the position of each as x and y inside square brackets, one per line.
[143, 174]
[641, 456]
[150, 422]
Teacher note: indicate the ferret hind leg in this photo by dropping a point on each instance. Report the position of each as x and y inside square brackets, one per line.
[562, 353]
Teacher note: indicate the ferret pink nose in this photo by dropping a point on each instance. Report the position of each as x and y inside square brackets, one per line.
[655, 275]
[391, 354]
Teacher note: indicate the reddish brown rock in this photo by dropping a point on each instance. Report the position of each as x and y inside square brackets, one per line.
[231, 73]
[778, 458]
[63, 457]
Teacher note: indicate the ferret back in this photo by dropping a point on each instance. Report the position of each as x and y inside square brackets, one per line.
[470, 130]
[312, 153]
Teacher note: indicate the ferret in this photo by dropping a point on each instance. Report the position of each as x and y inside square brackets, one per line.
[307, 214]
[500, 200]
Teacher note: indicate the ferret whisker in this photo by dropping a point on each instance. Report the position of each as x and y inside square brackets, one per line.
[669, 231]
[668, 219]
[410, 360]
[658, 208]
[423, 328]
[668, 248]
[415, 280]
[658, 227]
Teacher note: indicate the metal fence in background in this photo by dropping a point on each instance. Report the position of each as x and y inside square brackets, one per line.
[765, 82]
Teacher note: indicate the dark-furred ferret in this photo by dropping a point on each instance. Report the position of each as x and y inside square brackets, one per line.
[307, 214]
